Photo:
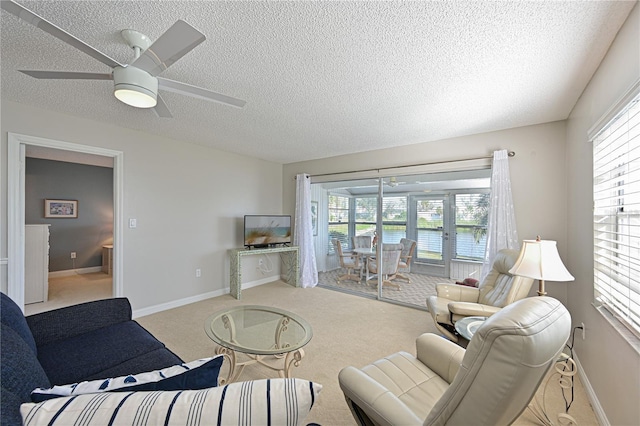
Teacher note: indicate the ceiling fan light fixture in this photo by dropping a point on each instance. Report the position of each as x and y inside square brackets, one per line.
[135, 87]
[136, 97]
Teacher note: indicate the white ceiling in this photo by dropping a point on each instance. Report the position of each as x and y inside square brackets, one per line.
[326, 78]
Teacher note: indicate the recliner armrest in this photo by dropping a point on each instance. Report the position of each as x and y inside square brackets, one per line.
[457, 292]
[378, 402]
[466, 309]
[440, 355]
[75, 320]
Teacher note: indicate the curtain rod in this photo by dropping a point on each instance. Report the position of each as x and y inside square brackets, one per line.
[510, 154]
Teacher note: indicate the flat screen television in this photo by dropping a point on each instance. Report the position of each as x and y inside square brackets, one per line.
[267, 230]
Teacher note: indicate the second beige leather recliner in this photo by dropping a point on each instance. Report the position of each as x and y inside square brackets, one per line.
[491, 383]
[499, 289]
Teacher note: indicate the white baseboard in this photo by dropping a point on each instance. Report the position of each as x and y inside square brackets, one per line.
[69, 272]
[193, 299]
[261, 281]
[177, 303]
[591, 395]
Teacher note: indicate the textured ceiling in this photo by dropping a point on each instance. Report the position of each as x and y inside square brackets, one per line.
[326, 78]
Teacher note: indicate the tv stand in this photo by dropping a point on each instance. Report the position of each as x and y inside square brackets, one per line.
[290, 266]
[264, 246]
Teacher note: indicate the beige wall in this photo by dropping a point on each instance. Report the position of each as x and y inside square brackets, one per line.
[537, 175]
[551, 178]
[610, 362]
[189, 202]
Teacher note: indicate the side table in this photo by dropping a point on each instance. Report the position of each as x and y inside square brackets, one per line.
[468, 326]
[107, 259]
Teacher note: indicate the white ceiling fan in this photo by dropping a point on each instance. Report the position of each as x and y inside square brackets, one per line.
[393, 182]
[137, 83]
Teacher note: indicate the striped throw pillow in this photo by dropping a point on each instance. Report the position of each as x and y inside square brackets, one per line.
[258, 402]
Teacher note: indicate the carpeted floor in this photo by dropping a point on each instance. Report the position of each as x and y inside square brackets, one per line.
[73, 289]
[347, 330]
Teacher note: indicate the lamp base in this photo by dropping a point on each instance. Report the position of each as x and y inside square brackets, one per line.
[541, 291]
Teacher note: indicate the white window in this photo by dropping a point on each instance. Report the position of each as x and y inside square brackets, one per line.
[616, 212]
[365, 215]
[339, 214]
[471, 222]
[394, 219]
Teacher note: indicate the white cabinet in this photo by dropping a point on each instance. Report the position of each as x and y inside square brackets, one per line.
[36, 263]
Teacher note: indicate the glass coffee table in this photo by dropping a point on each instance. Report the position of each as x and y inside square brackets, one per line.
[269, 336]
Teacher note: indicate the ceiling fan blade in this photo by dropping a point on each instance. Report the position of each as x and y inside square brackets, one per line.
[67, 75]
[198, 92]
[176, 42]
[37, 21]
[161, 109]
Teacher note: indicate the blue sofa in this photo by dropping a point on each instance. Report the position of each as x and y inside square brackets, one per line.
[83, 342]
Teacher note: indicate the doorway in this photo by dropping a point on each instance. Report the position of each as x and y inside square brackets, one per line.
[17, 147]
[430, 226]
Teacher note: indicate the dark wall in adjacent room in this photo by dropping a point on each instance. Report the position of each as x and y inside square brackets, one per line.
[92, 186]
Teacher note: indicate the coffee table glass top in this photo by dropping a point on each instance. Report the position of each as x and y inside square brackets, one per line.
[260, 330]
[467, 327]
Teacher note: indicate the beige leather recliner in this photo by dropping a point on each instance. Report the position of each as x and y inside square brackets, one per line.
[454, 302]
[491, 383]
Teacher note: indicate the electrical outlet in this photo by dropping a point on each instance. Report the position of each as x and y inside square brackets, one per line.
[73, 254]
[584, 331]
[198, 273]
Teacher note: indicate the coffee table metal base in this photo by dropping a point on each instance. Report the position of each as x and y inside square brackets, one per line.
[282, 363]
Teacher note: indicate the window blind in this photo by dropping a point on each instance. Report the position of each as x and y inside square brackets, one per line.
[616, 215]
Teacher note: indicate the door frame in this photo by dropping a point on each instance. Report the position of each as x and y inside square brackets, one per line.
[17, 144]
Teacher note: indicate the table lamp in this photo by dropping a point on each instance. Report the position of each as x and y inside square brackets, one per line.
[539, 259]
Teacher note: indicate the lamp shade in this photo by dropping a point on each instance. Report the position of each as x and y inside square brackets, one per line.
[539, 259]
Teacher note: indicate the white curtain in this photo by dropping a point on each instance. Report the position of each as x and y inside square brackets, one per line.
[303, 235]
[501, 229]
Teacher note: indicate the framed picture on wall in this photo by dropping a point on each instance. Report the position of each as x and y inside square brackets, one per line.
[61, 208]
[314, 217]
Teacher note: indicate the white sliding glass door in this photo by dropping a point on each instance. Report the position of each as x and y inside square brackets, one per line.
[443, 213]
